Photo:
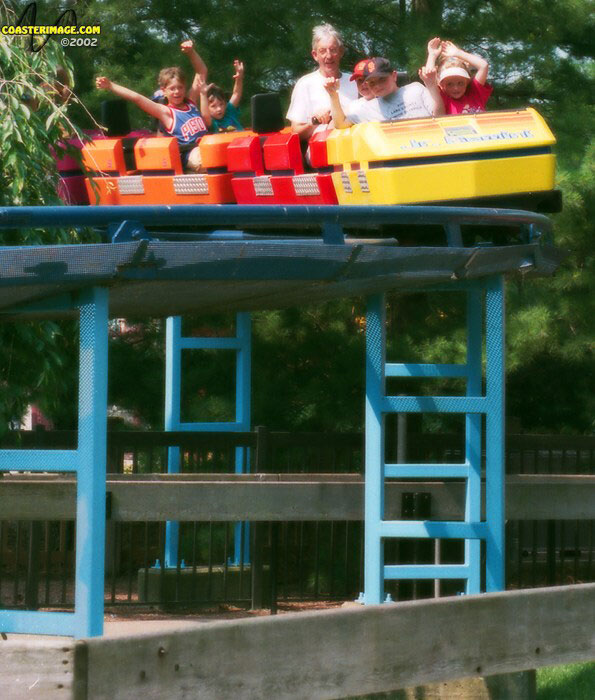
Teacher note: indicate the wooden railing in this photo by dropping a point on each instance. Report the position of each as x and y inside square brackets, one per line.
[549, 534]
[328, 654]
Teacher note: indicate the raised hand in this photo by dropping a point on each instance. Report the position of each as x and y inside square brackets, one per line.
[238, 68]
[449, 49]
[331, 85]
[103, 83]
[429, 76]
[187, 46]
[435, 47]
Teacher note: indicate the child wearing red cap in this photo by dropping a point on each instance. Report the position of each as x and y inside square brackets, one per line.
[358, 75]
[461, 93]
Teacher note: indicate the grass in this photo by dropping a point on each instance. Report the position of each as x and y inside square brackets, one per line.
[571, 682]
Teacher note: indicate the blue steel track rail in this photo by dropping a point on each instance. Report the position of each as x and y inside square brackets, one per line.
[327, 221]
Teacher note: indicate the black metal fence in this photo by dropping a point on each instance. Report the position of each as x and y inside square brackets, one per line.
[297, 560]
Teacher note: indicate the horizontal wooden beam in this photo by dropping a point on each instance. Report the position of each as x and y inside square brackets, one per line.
[41, 667]
[360, 650]
[283, 497]
[396, 646]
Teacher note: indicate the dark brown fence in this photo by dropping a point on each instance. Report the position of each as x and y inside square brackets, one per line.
[296, 560]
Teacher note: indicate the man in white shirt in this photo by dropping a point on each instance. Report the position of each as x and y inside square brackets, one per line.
[310, 103]
[390, 102]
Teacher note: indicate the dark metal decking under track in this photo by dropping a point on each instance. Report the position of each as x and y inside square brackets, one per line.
[238, 271]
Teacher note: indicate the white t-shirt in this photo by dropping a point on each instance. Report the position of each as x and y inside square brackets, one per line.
[409, 102]
[309, 96]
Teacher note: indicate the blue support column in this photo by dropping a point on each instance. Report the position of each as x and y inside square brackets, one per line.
[173, 379]
[243, 396]
[495, 434]
[88, 462]
[473, 436]
[374, 457]
[175, 343]
[90, 525]
[472, 530]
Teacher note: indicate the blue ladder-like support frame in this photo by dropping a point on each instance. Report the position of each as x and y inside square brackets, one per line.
[174, 345]
[88, 462]
[472, 529]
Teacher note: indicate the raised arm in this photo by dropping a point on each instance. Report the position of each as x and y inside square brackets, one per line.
[434, 51]
[238, 83]
[200, 88]
[331, 85]
[479, 63]
[430, 78]
[200, 67]
[155, 109]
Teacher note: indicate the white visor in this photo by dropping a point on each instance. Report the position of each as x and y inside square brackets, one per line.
[454, 70]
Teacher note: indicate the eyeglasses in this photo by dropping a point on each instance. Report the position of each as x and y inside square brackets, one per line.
[328, 51]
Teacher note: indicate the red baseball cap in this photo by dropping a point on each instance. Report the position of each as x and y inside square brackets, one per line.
[372, 67]
[358, 69]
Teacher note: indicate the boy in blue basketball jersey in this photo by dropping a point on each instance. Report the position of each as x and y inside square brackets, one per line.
[180, 117]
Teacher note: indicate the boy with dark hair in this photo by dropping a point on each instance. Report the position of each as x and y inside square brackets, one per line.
[225, 115]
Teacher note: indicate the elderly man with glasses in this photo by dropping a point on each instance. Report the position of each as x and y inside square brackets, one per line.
[310, 102]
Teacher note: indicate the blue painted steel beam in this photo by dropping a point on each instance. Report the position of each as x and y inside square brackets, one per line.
[426, 471]
[473, 436]
[38, 622]
[243, 370]
[47, 217]
[39, 460]
[495, 434]
[434, 404]
[410, 369]
[433, 529]
[92, 449]
[173, 383]
[426, 571]
[374, 450]
[243, 422]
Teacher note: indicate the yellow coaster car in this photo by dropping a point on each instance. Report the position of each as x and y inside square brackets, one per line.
[479, 157]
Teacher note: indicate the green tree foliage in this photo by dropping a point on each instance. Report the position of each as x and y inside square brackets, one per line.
[308, 363]
[551, 339]
[33, 357]
[28, 174]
